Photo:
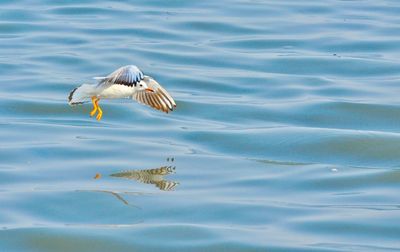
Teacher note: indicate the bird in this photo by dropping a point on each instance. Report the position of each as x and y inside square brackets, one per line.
[125, 82]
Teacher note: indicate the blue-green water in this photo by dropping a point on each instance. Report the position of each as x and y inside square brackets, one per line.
[286, 136]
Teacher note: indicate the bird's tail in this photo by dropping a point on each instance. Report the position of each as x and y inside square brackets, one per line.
[81, 94]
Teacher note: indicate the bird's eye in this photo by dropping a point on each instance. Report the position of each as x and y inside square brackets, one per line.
[141, 85]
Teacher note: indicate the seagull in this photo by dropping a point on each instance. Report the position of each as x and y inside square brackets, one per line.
[125, 82]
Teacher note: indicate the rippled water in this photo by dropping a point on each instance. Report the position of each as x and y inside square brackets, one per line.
[286, 136]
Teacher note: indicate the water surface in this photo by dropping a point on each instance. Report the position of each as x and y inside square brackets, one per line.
[286, 136]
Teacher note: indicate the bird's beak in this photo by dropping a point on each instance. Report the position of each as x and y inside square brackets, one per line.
[149, 90]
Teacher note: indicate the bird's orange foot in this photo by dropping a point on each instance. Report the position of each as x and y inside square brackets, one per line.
[100, 114]
[93, 112]
[95, 106]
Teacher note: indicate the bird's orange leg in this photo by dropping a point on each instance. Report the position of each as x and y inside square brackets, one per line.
[100, 114]
[95, 106]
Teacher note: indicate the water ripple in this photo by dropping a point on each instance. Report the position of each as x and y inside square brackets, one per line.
[286, 136]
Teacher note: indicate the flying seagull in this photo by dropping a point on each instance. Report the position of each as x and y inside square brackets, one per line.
[125, 82]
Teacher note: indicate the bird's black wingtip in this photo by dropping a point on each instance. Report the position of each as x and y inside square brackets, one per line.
[71, 95]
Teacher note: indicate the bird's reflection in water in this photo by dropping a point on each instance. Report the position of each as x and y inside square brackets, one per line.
[148, 176]
[151, 176]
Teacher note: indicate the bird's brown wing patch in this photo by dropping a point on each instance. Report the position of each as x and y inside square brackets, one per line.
[160, 99]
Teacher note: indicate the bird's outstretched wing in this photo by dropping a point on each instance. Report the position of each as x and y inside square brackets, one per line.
[127, 75]
[159, 99]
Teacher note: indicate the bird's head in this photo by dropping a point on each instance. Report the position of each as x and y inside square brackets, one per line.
[143, 85]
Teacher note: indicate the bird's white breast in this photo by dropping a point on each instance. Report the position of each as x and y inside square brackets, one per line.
[117, 91]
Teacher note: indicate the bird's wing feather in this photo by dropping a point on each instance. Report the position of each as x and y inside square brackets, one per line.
[126, 75]
[160, 99]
